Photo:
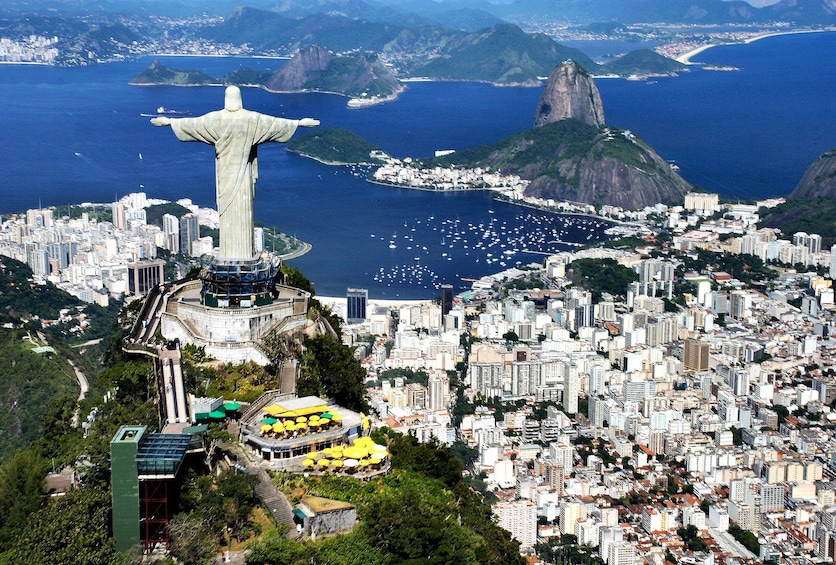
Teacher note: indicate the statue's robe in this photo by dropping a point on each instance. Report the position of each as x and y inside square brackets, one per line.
[236, 137]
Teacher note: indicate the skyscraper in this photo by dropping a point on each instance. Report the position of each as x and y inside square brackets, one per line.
[189, 232]
[446, 299]
[356, 300]
[171, 229]
[696, 355]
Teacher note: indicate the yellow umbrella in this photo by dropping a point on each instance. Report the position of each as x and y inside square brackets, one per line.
[312, 454]
[355, 453]
[301, 419]
[313, 418]
[376, 458]
[308, 463]
[328, 451]
[278, 428]
[364, 462]
[290, 427]
[314, 424]
[266, 428]
[336, 463]
[323, 462]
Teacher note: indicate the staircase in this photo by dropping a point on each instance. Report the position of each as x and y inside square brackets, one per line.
[274, 500]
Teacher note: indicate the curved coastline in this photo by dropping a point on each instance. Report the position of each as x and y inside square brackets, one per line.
[686, 57]
[329, 163]
[298, 253]
[520, 203]
[424, 189]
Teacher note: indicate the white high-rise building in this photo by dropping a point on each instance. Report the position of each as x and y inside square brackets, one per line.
[519, 518]
[621, 553]
[833, 262]
[438, 392]
[171, 229]
[571, 390]
[570, 513]
[562, 455]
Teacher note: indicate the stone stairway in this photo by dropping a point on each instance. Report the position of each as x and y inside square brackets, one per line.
[274, 500]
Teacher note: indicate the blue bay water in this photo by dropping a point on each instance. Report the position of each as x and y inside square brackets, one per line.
[73, 135]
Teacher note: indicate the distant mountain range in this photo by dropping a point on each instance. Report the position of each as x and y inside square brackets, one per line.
[468, 15]
[501, 54]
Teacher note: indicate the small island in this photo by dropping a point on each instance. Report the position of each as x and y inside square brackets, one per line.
[336, 146]
[156, 74]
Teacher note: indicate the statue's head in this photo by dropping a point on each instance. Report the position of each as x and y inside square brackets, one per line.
[232, 99]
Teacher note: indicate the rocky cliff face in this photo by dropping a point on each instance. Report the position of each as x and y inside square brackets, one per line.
[599, 178]
[316, 69]
[570, 93]
[297, 72]
[819, 180]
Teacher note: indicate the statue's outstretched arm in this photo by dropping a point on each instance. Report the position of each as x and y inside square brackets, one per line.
[161, 121]
[308, 122]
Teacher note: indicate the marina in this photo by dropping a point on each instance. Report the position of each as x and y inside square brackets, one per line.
[502, 243]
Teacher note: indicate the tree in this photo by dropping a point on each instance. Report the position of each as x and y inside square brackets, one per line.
[21, 490]
[745, 537]
[691, 537]
[511, 336]
[330, 369]
[73, 528]
[192, 542]
[294, 277]
[275, 549]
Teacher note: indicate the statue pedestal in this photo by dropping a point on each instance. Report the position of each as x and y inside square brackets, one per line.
[232, 308]
[240, 284]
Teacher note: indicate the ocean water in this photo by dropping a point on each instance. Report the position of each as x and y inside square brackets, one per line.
[749, 133]
[75, 135]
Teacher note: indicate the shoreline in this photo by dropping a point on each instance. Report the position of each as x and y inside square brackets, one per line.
[425, 189]
[686, 57]
[298, 253]
[330, 163]
[498, 197]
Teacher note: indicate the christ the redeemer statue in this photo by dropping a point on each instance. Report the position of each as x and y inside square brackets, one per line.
[236, 134]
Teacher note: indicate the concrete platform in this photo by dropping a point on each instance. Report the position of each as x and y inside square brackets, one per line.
[230, 335]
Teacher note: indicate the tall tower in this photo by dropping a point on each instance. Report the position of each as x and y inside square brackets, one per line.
[119, 220]
[189, 231]
[446, 299]
[571, 389]
[171, 230]
[356, 301]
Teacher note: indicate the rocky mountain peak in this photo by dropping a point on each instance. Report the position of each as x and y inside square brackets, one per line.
[819, 180]
[570, 93]
[298, 70]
